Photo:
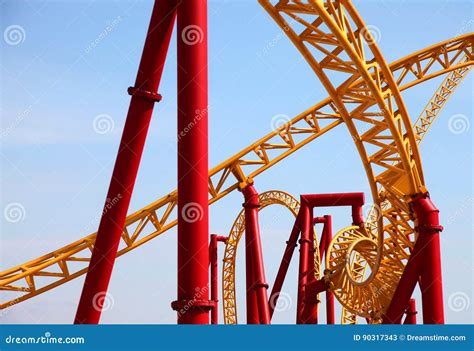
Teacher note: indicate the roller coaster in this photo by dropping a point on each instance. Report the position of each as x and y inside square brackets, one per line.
[370, 267]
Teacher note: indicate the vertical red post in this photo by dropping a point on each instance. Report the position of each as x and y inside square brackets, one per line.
[213, 256]
[431, 285]
[311, 301]
[251, 295]
[306, 221]
[214, 278]
[144, 95]
[329, 294]
[411, 312]
[253, 243]
[424, 262]
[193, 222]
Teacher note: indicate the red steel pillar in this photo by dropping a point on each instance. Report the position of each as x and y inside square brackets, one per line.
[329, 294]
[311, 301]
[214, 278]
[431, 285]
[193, 222]
[285, 263]
[424, 262]
[251, 295]
[411, 312]
[256, 281]
[144, 95]
[213, 256]
[305, 241]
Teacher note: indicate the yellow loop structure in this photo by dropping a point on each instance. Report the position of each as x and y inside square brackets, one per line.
[421, 126]
[273, 197]
[339, 48]
[69, 262]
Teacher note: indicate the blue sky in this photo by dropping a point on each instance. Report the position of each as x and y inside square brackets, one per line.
[63, 74]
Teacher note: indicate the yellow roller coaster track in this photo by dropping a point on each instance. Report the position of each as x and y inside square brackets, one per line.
[267, 198]
[422, 125]
[71, 261]
[334, 41]
[358, 266]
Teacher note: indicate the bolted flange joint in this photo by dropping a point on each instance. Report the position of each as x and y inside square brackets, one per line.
[182, 306]
[148, 95]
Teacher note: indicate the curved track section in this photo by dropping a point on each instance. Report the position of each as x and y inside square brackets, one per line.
[334, 41]
[422, 125]
[266, 199]
[69, 262]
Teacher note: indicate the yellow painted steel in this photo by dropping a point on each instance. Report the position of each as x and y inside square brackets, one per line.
[332, 38]
[422, 125]
[69, 262]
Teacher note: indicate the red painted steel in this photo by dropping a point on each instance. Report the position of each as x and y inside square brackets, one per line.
[126, 165]
[355, 200]
[214, 278]
[411, 312]
[424, 262]
[305, 242]
[327, 233]
[256, 280]
[193, 221]
[213, 256]
[430, 275]
[251, 295]
[285, 263]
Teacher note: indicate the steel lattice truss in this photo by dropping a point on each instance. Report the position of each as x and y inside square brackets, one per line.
[332, 38]
[421, 126]
[238, 228]
[365, 95]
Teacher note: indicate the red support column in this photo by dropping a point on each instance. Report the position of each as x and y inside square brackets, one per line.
[256, 281]
[329, 294]
[406, 285]
[144, 95]
[306, 222]
[411, 312]
[214, 277]
[213, 255]
[253, 316]
[431, 285]
[311, 301]
[193, 234]
[285, 263]
[424, 261]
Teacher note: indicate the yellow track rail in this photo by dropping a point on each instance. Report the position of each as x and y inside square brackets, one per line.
[266, 199]
[62, 265]
[421, 126]
[335, 42]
